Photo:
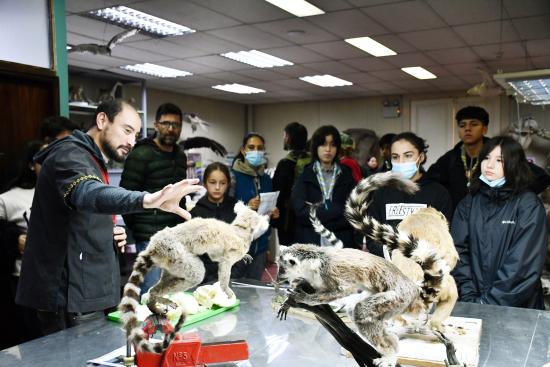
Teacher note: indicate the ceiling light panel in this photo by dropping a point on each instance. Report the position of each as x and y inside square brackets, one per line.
[326, 80]
[370, 46]
[156, 70]
[300, 8]
[238, 88]
[535, 91]
[131, 18]
[419, 72]
[257, 58]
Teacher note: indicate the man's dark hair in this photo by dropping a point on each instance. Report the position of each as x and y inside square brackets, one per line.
[414, 140]
[297, 136]
[168, 109]
[516, 167]
[52, 126]
[386, 139]
[472, 113]
[110, 108]
[318, 139]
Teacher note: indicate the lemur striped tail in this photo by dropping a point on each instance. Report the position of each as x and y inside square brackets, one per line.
[129, 304]
[419, 251]
[320, 228]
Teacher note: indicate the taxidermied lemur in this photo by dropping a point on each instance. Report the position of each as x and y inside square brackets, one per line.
[427, 224]
[176, 251]
[386, 291]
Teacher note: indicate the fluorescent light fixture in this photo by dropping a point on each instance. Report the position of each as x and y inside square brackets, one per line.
[131, 18]
[325, 80]
[419, 72]
[257, 58]
[300, 8]
[370, 46]
[238, 88]
[532, 86]
[156, 70]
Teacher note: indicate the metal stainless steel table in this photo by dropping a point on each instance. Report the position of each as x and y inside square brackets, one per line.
[511, 337]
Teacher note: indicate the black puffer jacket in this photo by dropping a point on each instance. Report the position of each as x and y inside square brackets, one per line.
[501, 239]
[148, 168]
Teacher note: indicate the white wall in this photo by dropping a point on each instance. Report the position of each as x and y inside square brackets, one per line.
[25, 32]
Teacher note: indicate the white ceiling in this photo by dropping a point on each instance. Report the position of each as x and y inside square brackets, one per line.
[450, 38]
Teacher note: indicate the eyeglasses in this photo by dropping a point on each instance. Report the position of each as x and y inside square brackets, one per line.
[168, 124]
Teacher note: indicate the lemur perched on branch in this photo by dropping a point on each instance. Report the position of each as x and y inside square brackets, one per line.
[386, 291]
[176, 251]
[427, 224]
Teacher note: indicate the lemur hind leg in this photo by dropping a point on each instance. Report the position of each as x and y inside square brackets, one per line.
[178, 275]
[369, 316]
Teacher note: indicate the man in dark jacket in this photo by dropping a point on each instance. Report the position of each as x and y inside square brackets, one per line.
[285, 176]
[153, 164]
[454, 169]
[70, 269]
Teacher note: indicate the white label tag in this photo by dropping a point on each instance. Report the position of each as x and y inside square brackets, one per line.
[400, 210]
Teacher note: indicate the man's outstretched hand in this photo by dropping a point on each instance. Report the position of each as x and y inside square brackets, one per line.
[168, 199]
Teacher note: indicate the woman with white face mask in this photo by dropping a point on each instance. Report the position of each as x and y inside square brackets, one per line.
[249, 180]
[391, 206]
[500, 231]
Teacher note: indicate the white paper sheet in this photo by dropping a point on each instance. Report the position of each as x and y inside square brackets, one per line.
[268, 201]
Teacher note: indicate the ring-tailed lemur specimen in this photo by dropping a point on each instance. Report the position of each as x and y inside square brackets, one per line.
[176, 251]
[387, 292]
[427, 224]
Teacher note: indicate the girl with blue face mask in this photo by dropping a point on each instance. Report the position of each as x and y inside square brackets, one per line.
[500, 231]
[249, 180]
[389, 205]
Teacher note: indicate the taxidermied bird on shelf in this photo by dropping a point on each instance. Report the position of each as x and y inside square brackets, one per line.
[105, 49]
[195, 121]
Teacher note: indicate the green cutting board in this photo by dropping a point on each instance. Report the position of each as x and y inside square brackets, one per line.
[191, 319]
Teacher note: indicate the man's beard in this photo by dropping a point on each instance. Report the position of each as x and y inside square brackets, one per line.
[111, 152]
[167, 140]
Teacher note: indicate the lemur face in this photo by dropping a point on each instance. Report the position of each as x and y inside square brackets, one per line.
[298, 261]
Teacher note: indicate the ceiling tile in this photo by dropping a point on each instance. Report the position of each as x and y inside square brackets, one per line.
[449, 83]
[525, 8]
[76, 39]
[186, 13]
[245, 11]
[166, 48]
[533, 27]
[410, 59]
[330, 67]
[466, 11]
[453, 55]
[348, 23]
[405, 17]
[336, 50]
[203, 80]
[261, 74]
[395, 43]
[411, 84]
[360, 78]
[292, 83]
[250, 36]
[136, 55]
[439, 71]
[267, 86]
[295, 71]
[295, 54]
[538, 47]
[510, 65]
[84, 64]
[465, 69]
[230, 77]
[369, 64]
[331, 5]
[131, 74]
[506, 50]
[219, 62]
[312, 33]
[485, 33]
[98, 30]
[207, 43]
[77, 6]
[106, 61]
[434, 39]
[362, 3]
[391, 75]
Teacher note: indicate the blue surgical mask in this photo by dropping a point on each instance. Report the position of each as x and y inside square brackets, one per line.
[499, 182]
[255, 157]
[407, 169]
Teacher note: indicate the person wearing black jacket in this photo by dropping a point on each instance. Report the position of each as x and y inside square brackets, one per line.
[324, 180]
[389, 205]
[500, 231]
[70, 272]
[286, 174]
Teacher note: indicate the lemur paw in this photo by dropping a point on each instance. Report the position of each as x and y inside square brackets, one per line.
[161, 305]
[230, 294]
[247, 259]
[386, 361]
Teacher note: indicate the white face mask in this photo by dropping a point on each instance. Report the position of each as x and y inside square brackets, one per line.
[499, 182]
[407, 169]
